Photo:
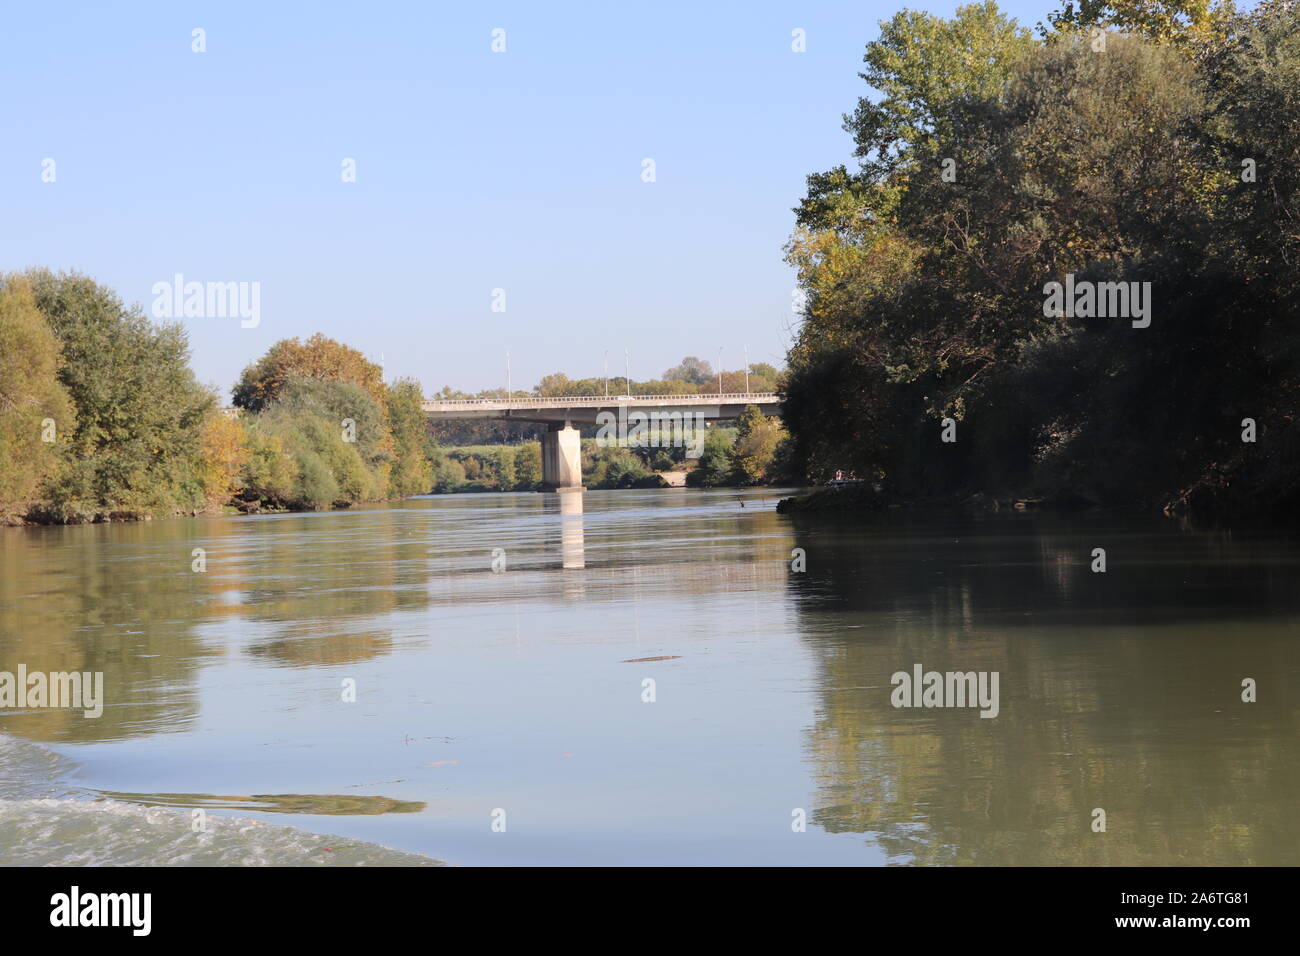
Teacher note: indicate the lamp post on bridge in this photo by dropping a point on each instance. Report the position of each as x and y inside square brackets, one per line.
[510, 388]
[746, 369]
[606, 374]
[627, 372]
[719, 369]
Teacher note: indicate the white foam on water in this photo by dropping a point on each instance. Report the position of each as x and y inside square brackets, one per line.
[41, 824]
[29, 770]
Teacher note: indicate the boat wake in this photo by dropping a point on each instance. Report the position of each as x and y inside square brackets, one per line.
[45, 821]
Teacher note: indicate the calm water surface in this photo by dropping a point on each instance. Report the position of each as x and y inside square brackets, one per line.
[520, 690]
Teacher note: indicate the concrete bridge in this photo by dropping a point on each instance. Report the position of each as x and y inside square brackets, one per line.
[561, 449]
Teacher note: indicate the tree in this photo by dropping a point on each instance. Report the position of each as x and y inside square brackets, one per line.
[449, 475]
[223, 454]
[319, 358]
[715, 466]
[504, 465]
[1169, 165]
[692, 370]
[528, 466]
[923, 66]
[270, 474]
[337, 437]
[36, 414]
[757, 438]
[763, 377]
[1166, 20]
[613, 467]
[556, 384]
[139, 410]
[412, 472]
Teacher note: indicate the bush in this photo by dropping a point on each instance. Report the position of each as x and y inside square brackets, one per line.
[716, 465]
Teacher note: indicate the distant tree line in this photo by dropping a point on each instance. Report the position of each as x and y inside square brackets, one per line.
[101, 419]
[756, 451]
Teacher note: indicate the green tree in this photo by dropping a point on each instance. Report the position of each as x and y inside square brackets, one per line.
[763, 377]
[449, 475]
[716, 465]
[528, 466]
[412, 472]
[504, 465]
[36, 414]
[270, 474]
[139, 411]
[692, 370]
[922, 67]
[756, 440]
[556, 385]
[336, 436]
[1177, 21]
[1145, 164]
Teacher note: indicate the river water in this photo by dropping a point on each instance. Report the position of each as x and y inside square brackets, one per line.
[641, 678]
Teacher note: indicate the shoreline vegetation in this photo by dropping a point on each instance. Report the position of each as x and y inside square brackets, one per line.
[867, 497]
[102, 419]
[1065, 266]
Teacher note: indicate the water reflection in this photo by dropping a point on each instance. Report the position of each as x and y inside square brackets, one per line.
[96, 599]
[324, 804]
[329, 590]
[1119, 690]
[571, 538]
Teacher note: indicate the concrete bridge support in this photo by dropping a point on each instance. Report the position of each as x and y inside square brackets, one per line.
[561, 458]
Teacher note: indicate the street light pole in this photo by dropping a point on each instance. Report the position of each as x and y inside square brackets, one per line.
[719, 369]
[627, 372]
[746, 369]
[607, 374]
[510, 387]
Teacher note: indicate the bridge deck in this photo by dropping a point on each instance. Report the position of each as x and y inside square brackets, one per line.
[585, 408]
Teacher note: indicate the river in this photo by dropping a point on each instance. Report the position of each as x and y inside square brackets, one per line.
[641, 677]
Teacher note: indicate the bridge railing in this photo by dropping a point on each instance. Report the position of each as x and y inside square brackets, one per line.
[704, 398]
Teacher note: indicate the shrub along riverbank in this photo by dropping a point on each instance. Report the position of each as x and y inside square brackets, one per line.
[101, 418]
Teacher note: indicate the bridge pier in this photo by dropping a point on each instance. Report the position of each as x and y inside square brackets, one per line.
[561, 458]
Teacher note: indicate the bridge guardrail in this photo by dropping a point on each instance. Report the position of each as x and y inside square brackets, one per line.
[705, 398]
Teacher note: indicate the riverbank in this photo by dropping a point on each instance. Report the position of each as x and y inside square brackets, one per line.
[865, 497]
[864, 500]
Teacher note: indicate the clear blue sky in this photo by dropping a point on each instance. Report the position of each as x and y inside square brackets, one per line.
[475, 170]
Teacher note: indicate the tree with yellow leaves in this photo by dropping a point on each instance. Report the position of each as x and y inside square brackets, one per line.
[1162, 20]
[224, 452]
[320, 357]
[36, 415]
